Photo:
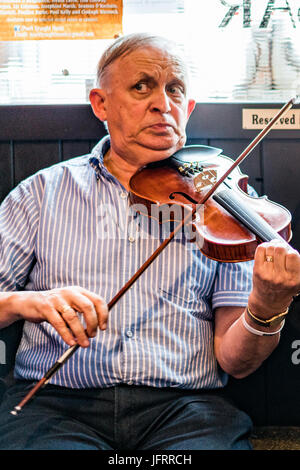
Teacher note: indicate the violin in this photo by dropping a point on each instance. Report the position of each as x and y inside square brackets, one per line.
[236, 222]
[233, 223]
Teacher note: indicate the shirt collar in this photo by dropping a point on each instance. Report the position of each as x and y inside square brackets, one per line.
[96, 159]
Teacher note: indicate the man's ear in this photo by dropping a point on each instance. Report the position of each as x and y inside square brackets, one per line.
[191, 107]
[98, 102]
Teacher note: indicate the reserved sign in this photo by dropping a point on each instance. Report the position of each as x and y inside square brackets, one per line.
[259, 118]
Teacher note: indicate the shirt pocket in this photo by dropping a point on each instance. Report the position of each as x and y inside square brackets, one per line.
[187, 299]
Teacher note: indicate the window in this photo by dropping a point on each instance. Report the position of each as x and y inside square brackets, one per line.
[238, 50]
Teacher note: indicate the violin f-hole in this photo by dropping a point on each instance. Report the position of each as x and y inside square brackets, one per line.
[186, 196]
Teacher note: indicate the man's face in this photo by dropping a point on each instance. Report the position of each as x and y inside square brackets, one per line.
[145, 105]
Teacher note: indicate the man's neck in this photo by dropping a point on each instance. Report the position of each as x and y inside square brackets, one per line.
[120, 168]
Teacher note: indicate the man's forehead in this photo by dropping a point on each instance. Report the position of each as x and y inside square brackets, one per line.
[152, 60]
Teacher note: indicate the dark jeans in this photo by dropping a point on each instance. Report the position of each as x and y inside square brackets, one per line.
[122, 418]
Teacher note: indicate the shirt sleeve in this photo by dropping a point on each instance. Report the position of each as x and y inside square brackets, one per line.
[233, 284]
[18, 226]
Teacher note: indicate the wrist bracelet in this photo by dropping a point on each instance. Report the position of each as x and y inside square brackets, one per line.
[258, 332]
[267, 322]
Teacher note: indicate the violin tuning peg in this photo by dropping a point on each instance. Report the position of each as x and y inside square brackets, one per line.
[183, 171]
[198, 167]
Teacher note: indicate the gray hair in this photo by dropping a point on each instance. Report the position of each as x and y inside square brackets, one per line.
[126, 44]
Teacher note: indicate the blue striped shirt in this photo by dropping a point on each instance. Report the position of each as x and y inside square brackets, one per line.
[72, 224]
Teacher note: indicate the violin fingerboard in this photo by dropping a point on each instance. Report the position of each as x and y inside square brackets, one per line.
[247, 216]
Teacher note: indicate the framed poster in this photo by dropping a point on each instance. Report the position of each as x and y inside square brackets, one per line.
[60, 19]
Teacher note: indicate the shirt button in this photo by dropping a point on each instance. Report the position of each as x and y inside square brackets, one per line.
[129, 334]
[123, 195]
[130, 382]
[131, 239]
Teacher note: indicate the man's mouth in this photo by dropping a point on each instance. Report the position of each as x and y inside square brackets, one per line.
[161, 128]
[161, 125]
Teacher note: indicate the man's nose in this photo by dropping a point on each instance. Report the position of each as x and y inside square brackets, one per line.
[161, 102]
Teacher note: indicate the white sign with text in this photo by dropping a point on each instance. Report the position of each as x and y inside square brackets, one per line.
[259, 118]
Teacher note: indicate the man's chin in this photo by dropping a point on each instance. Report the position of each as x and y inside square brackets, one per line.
[163, 149]
[155, 155]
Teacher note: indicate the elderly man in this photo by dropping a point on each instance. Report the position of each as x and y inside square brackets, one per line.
[149, 374]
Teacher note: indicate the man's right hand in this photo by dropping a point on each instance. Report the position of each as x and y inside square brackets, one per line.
[61, 307]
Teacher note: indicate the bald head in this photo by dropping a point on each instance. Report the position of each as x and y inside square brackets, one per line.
[130, 43]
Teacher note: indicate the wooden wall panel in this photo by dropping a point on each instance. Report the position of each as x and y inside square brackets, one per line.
[224, 121]
[281, 169]
[93, 143]
[49, 122]
[29, 157]
[194, 141]
[250, 395]
[74, 148]
[282, 375]
[6, 168]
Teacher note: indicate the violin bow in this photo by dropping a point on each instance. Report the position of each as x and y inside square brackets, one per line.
[72, 349]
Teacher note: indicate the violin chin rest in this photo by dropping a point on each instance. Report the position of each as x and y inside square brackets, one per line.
[194, 153]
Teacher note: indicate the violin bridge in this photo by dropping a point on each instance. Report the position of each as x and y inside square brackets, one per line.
[205, 179]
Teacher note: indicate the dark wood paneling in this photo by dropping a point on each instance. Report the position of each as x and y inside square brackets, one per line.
[49, 122]
[191, 141]
[281, 169]
[295, 242]
[6, 168]
[74, 148]
[93, 143]
[32, 156]
[224, 121]
[250, 395]
[9, 338]
[283, 375]
[271, 394]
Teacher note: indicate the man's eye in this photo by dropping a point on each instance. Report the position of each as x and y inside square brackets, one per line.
[176, 90]
[141, 86]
